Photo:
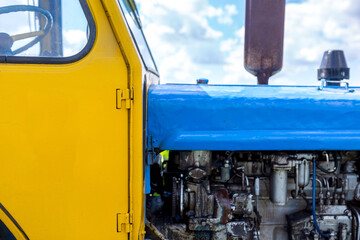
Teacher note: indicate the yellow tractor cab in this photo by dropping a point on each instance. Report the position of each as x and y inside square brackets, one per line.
[73, 76]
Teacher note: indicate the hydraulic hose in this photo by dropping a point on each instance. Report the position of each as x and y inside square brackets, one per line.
[335, 168]
[324, 170]
[314, 203]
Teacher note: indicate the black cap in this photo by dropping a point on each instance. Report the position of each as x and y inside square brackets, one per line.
[333, 66]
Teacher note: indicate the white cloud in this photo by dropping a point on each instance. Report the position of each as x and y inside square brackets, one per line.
[233, 68]
[74, 41]
[313, 27]
[227, 16]
[181, 39]
[228, 45]
[213, 12]
[180, 33]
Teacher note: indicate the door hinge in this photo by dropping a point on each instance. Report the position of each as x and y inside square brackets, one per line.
[126, 96]
[124, 222]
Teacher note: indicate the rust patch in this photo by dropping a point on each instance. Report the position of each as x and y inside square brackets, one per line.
[222, 197]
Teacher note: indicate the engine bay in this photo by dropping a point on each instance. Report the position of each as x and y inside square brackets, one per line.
[212, 195]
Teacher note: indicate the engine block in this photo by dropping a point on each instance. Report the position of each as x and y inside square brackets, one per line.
[257, 195]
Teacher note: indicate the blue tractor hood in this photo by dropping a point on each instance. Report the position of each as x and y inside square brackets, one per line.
[218, 117]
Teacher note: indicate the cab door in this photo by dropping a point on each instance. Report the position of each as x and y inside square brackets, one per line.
[64, 123]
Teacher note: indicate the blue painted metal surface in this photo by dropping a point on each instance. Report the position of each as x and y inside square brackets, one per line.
[213, 117]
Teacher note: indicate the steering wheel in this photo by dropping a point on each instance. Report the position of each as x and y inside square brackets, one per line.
[6, 41]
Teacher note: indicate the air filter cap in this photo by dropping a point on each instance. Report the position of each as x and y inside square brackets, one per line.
[333, 66]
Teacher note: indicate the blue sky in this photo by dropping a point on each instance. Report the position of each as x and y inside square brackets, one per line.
[204, 38]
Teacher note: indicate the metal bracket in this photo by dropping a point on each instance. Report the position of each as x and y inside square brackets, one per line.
[151, 154]
[346, 85]
[124, 222]
[126, 96]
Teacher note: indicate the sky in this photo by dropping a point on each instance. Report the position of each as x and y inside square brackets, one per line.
[193, 39]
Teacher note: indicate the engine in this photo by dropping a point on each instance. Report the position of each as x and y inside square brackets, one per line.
[255, 195]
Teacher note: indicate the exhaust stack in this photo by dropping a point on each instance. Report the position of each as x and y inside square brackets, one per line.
[264, 38]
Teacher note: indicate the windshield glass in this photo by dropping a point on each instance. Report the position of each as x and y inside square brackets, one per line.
[42, 28]
[133, 20]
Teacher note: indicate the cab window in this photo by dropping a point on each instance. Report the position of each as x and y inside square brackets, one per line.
[133, 20]
[49, 29]
[5, 234]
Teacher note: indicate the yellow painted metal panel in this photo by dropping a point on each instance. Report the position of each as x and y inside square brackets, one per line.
[11, 224]
[139, 86]
[67, 153]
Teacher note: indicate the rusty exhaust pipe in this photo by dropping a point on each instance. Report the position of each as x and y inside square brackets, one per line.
[264, 38]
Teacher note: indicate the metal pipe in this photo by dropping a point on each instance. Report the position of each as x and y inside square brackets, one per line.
[264, 38]
[278, 187]
[328, 171]
[257, 193]
[257, 186]
[154, 230]
[304, 174]
[174, 197]
[296, 180]
[181, 195]
[320, 183]
[325, 181]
